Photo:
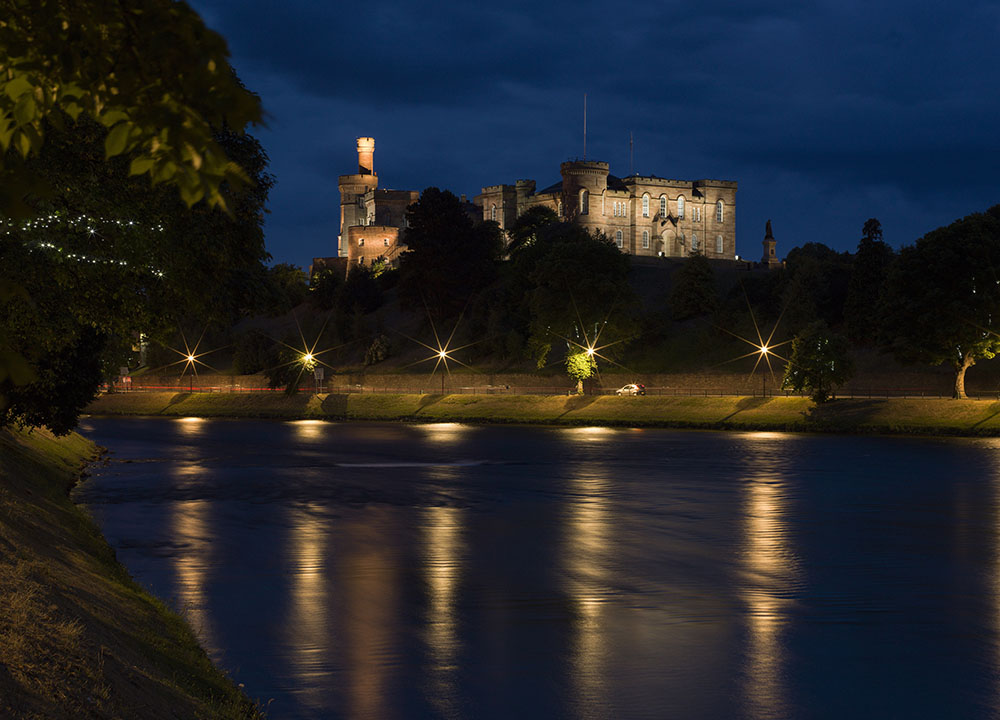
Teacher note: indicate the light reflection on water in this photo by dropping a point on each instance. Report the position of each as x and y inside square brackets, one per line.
[589, 542]
[442, 552]
[771, 568]
[309, 637]
[192, 523]
[381, 571]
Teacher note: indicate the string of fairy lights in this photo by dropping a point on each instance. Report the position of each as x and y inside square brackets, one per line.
[80, 223]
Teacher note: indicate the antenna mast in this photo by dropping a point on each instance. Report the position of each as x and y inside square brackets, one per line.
[631, 154]
[585, 126]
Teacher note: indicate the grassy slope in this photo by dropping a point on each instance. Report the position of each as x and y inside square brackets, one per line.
[78, 638]
[935, 416]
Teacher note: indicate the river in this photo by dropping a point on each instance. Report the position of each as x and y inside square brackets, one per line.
[363, 570]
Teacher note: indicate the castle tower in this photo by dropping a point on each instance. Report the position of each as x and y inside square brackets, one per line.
[366, 156]
[769, 259]
[353, 189]
[583, 182]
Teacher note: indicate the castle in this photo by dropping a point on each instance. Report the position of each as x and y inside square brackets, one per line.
[643, 215]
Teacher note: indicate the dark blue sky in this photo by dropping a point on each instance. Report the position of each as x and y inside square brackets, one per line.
[826, 113]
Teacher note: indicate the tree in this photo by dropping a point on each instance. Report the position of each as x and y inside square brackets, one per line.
[942, 296]
[106, 256]
[815, 278]
[148, 71]
[448, 257]
[580, 365]
[578, 294]
[529, 227]
[868, 273]
[694, 293]
[820, 361]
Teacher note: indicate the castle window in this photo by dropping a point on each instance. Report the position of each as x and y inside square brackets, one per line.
[697, 213]
[718, 244]
[493, 213]
[559, 208]
[645, 239]
[680, 207]
[361, 242]
[694, 242]
[584, 202]
[663, 205]
[618, 239]
[719, 212]
[385, 242]
[645, 205]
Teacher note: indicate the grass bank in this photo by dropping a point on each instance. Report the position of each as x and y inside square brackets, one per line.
[79, 638]
[894, 415]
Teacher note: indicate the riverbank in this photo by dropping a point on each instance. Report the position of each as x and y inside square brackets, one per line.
[892, 415]
[78, 637]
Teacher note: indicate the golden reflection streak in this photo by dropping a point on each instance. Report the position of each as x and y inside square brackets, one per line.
[370, 577]
[588, 542]
[446, 433]
[308, 631]
[191, 521]
[771, 572]
[191, 427]
[443, 565]
[308, 429]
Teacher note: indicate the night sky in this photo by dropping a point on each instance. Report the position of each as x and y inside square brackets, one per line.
[826, 113]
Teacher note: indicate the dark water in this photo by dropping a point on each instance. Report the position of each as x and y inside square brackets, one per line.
[412, 571]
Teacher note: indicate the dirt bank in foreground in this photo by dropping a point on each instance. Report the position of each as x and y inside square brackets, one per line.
[894, 415]
[79, 638]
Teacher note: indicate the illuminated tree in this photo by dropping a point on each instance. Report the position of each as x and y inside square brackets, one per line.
[942, 296]
[820, 361]
[580, 365]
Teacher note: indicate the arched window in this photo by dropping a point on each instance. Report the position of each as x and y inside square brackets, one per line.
[645, 239]
[361, 242]
[493, 213]
[680, 207]
[697, 213]
[385, 242]
[720, 213]
[618, 239]
[718, 244]
[663, 205]
[584, 202]
[694, 242]
[645, 205]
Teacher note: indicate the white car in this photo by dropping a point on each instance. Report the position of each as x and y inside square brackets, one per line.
[631, 389]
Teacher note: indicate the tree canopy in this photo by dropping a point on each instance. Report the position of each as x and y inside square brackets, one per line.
[864, 291]
[942, 296]
[91, 257]
[148, 71]
[448, 257]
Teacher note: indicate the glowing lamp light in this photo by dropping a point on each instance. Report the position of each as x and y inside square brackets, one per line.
[190, 358]
[590, 352]
[443, 354]
[307, 358]
[764, 350]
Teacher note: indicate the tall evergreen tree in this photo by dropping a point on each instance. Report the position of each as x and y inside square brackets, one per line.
[864, 291]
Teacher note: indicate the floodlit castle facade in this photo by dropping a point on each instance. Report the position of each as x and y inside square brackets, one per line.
[370, 217]
[643, 215]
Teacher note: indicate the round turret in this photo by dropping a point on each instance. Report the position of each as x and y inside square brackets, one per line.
[366, 156]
